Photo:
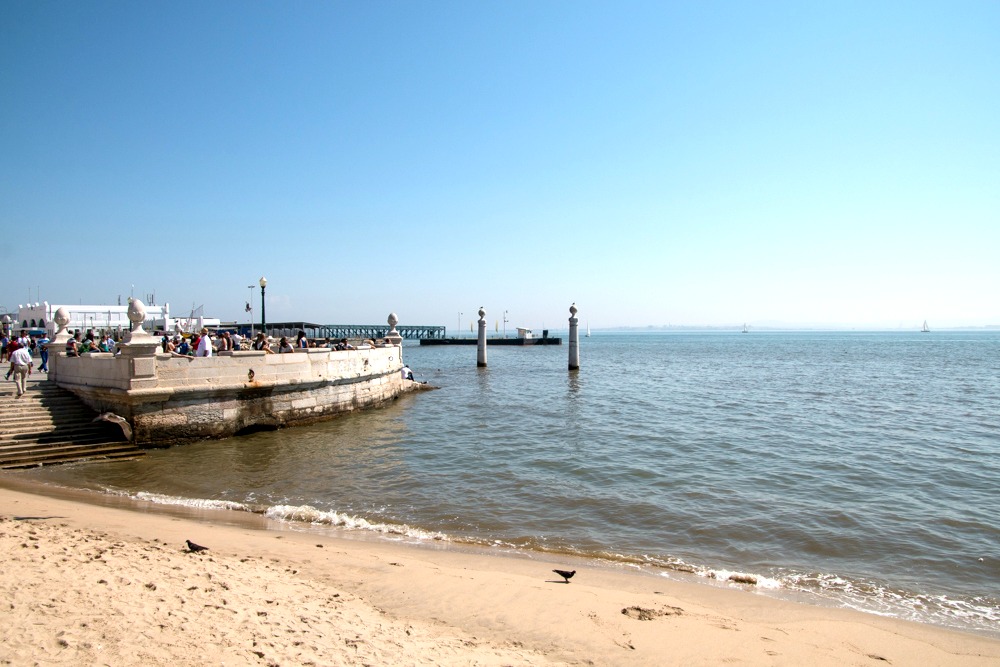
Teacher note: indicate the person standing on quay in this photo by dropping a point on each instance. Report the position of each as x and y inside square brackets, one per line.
[21, 364]
[42, 344]
[204, 344]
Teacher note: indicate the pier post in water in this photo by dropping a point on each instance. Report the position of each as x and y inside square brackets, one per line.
[481, 348]
[574, 339]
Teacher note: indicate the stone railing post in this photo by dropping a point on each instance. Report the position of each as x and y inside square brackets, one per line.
[139, 349]
[57, 346]
[393, 335]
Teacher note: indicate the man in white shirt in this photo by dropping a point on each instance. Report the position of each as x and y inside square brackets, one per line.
[204, 344]
[21, 361]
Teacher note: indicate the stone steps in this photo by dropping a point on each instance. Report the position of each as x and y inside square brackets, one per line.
[49, 425]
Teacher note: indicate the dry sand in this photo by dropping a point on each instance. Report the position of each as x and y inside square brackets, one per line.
[85, 584]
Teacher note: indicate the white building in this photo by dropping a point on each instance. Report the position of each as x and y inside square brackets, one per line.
[38, 316]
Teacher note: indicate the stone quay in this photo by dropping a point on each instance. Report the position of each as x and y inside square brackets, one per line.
[169, 400]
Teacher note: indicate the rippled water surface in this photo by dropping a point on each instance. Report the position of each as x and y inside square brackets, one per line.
[861, 468]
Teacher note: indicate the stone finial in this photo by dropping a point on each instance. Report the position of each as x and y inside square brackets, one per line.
[572, 309]
[393, 335]
[482, 312]
[61, 318]
[137, 315]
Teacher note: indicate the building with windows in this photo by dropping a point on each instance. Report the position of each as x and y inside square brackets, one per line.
[38, 317]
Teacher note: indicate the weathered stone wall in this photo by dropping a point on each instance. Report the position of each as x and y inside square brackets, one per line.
[170, 399]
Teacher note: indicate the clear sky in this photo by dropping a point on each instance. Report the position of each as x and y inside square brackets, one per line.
[685, 163]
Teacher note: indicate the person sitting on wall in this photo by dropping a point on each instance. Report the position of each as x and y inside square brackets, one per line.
[406, 372]
[183, 348]
[222, 342]
[73, 345]
[261, 345]
[301, 340]
[107, 344]
[89, 344]
[284, 346]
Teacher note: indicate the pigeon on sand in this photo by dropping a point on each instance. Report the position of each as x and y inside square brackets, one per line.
[195, 548]
[565, 574]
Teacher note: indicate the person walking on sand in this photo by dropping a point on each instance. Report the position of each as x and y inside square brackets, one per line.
[21, 363]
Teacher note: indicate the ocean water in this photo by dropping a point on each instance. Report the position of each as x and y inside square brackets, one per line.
[855, 469]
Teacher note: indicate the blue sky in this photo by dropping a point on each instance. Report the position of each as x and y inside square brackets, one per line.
[696, 163]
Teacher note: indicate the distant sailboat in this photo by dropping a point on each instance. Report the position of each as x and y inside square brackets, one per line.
[588, 330]
[925, 328]
[746, 329]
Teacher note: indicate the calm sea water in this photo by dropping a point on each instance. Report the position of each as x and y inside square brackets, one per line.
[861, 469]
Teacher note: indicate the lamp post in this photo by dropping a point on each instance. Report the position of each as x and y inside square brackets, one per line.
[250, 309]
[263, 318]
[458, 332]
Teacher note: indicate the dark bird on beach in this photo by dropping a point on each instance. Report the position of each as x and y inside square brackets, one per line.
[567, 575]
[195, 548]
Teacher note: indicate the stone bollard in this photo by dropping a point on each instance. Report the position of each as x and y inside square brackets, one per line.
[574, 339]
[481, 348]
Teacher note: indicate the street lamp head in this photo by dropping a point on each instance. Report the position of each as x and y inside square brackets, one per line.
[263, 282]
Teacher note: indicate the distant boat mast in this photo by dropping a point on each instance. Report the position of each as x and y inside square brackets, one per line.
[925, 328]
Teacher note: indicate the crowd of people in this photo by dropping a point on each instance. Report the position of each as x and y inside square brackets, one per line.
[205, 344]
[201, 344]
[20, 351]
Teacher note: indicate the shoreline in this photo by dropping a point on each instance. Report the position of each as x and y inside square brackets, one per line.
[382, 601]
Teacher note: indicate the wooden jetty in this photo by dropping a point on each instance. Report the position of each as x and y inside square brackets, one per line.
[518, 342]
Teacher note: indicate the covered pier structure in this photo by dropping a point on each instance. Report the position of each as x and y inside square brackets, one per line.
[350, 331]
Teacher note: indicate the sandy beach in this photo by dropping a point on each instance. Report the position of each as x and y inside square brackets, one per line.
[99, 585]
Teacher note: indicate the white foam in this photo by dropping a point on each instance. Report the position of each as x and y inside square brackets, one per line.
[312, 515]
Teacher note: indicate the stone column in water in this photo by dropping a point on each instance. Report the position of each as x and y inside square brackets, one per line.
[481, 354]
[574, 339]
